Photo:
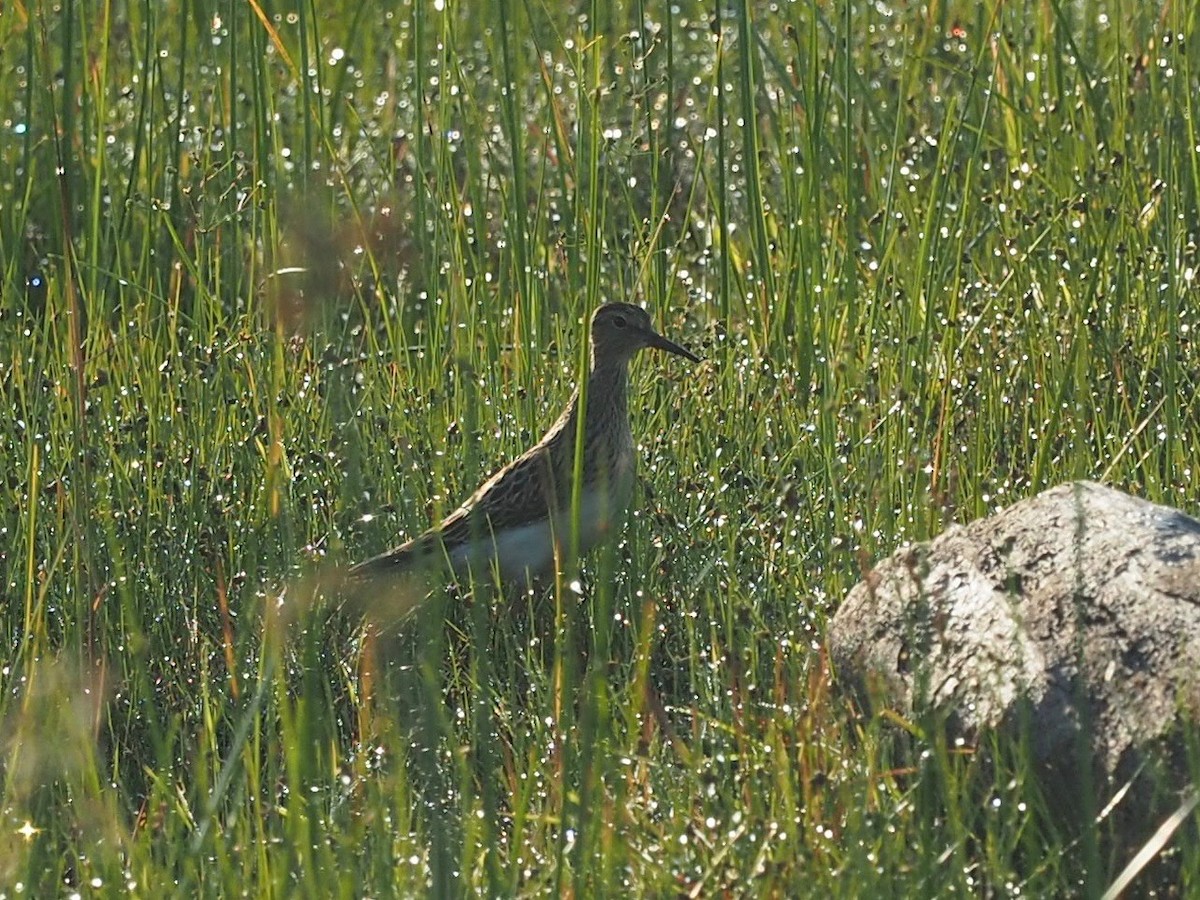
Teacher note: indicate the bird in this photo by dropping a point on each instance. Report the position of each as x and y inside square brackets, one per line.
[518, 523]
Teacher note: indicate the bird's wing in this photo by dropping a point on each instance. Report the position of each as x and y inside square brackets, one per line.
[521, 492]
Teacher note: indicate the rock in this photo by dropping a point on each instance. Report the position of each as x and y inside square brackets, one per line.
[1071, 619]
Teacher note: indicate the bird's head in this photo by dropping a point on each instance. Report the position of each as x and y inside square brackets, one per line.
[620, 330]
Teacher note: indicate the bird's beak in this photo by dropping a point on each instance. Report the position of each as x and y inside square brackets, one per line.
[658, 341]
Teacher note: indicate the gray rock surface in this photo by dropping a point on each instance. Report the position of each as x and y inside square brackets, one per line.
[1073, 617]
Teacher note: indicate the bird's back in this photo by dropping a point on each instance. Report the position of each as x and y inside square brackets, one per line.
[521, 517]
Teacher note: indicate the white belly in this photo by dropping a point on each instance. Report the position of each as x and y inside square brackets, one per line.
[532, 547]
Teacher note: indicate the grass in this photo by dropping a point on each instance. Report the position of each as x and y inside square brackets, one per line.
[283, 283]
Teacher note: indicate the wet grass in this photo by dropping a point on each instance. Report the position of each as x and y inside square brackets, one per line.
[281, 285]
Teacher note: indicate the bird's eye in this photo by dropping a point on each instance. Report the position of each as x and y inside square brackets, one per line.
[619, 321]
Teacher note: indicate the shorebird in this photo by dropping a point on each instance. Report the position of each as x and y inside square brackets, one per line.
[518, 523]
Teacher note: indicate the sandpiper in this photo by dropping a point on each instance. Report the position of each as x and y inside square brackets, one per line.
[518, 522]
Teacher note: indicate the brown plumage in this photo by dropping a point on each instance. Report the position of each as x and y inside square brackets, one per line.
[518, 518]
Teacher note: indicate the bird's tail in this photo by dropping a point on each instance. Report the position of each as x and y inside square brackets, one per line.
[387, 588]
